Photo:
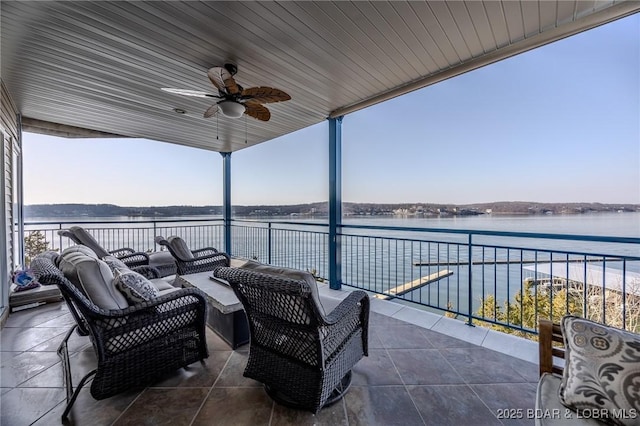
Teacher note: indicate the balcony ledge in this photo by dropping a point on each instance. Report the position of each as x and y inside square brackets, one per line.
[514, 346]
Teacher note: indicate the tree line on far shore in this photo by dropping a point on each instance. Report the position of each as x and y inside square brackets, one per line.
[321, 209]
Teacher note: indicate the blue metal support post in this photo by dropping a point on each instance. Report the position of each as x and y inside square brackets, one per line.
[470, 278]
[226, 200]
[335, 202]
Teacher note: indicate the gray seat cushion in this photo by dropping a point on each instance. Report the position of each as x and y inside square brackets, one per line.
[164, 262]
[293, 274]
[162, 284]
[92, 276]
[549, 409]
[180, 248]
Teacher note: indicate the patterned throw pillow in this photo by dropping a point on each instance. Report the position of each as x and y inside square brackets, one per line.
[135, 287]
[602, 371]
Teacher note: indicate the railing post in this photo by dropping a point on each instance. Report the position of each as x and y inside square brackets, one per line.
[155, 234]
[60, 237]
[335, 202]
[269, 244]
[226, 200]
[470, 250]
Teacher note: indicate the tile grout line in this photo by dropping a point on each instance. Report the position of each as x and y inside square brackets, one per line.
[37, 344]
[48, 411]
[210, 389]
[40, 323]
[404, 384]
[485, 404]
[128, 406]
[469, 386]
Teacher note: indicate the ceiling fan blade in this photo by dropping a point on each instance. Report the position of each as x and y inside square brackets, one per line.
[211, 111]
[187, 92]
[265, 95]
[215, 76]
[230, 84]
[223, 80]
[257, 111]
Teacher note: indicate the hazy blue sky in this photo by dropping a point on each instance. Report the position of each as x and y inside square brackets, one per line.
[557, 124]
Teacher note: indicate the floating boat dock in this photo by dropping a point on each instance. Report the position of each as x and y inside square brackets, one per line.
[414, 285]
[515, 261]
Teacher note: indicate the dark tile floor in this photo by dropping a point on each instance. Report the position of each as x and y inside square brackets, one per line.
[412, 376]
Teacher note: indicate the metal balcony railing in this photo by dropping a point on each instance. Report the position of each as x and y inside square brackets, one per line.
[507, 280]
[136, 234]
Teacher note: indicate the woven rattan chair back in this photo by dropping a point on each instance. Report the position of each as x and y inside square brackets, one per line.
[303, 357]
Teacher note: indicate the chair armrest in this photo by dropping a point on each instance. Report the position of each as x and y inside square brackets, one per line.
[122, 251]
[548, 333]
[161, 302]
[134, 259]
[203, 263]
[146, 313]
[349, 316]
[207, 251]
[349, 304]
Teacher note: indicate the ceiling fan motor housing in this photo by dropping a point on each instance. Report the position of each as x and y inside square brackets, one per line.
[231, 68]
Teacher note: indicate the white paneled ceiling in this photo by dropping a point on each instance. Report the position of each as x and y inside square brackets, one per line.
[100, 65]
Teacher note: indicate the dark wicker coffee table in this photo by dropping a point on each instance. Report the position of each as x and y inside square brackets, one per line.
[225, 314]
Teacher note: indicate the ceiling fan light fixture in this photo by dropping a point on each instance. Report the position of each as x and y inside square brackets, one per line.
[231, 109]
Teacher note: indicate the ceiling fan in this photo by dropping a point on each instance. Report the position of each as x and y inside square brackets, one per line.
[234, 99]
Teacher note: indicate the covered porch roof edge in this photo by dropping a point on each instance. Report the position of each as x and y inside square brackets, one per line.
[588, 22]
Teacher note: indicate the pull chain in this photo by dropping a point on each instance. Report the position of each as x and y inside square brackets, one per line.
[245, 128]
[217, 122]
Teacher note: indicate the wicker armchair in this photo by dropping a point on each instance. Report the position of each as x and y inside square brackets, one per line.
[128, 255]
[302, 356]
[135, 345]
[192, 261]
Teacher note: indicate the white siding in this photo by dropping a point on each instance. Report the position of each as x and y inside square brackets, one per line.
[8, 134]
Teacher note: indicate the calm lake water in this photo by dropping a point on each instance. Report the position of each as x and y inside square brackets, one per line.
[601, 224]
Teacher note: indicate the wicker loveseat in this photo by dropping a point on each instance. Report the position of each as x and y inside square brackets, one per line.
[589, 374]
[302, 356]
[135, 344]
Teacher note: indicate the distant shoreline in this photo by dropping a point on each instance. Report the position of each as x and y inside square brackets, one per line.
[514, 208]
